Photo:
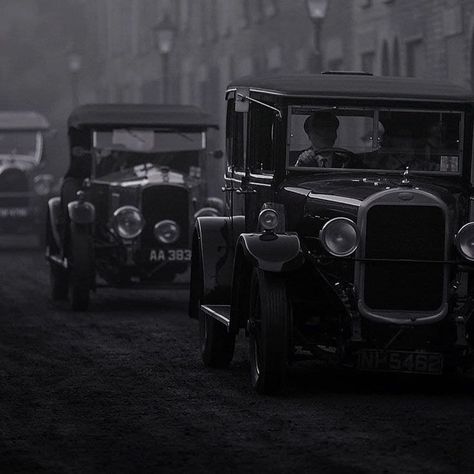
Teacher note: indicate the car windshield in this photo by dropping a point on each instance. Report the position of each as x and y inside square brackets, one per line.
[376, 138]
[20, 144]
[140, 152]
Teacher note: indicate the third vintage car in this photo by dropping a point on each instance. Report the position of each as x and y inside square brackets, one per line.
[348, 235]
[128, 202]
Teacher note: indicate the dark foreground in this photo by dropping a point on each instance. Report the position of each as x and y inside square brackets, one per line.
[122, 389]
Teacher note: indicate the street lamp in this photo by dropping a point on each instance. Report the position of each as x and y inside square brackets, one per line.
[317, 10]
[164, 35]
[74, 65]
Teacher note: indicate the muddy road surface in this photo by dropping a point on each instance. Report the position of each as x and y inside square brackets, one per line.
[121, 388]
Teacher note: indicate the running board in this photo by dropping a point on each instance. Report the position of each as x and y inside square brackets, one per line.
[221, 312]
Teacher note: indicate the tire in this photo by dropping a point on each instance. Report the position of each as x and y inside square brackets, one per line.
[82, 268]
[269, 332]
[216, 343]
[59, 282]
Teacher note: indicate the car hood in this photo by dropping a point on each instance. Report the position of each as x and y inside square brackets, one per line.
[330, 195]
[131, 178]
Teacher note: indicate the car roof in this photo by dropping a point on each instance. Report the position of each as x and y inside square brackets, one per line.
[139, 115]
[22, 120]
[354, 85]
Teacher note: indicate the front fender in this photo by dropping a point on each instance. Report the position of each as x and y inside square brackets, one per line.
[81, 212]
[53, 220]
[214, 242]
[272, 253]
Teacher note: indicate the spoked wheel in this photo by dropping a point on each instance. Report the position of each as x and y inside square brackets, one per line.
[82, 267]
[270, 329]
[59, 282]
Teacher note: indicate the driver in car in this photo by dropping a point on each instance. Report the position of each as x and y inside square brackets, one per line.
[321, 128]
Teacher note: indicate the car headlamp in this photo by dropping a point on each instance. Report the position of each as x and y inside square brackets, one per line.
[465, 241]
[340, 237]
[42, 184]
[128, 222]
[167, 231]
[268, 219]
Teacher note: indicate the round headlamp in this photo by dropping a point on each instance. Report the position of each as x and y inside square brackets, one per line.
[340, 237]
[268, 219]
[465, 241]
[167, 231]
[128, 222]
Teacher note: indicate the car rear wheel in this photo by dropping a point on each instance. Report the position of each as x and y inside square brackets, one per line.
[269, 332]
[216, 343]
[82, 267]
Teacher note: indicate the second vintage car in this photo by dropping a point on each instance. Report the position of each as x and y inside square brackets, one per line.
[24, 185]
[350, 233]
[129, 199]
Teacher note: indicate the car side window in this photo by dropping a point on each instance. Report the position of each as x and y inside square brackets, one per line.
[235, 137]
[261, 146]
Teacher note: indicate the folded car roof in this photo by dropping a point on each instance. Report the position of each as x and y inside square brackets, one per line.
[139, 115]
[19, 120]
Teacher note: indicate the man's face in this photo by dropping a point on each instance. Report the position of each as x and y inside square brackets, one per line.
[322, 137]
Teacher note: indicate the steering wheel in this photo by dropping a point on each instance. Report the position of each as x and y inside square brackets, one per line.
[348, 154]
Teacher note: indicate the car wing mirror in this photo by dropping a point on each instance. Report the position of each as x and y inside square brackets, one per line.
[242, 103]
[243, 99]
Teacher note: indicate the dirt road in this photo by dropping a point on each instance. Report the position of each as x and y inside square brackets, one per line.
[122, 389]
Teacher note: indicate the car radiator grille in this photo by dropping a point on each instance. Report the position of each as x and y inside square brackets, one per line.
[165, 202]
[13, 181]
[400, 232]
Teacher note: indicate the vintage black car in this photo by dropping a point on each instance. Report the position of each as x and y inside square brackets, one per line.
[129, 199]
[24, 186]
[348, 235]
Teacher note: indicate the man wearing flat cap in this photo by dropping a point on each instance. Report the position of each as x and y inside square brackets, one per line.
[321, 128]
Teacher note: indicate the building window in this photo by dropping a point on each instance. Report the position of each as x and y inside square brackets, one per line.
[385, 60]
[415, 58]
[367, 61]
[396, 59]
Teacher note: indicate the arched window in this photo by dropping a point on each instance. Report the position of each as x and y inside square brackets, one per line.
[385, 60]
[396, 59]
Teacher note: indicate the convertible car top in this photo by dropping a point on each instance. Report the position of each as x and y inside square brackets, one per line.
[139, 115]
[358, 86]
[16, 120]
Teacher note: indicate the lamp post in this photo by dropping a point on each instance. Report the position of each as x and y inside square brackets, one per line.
[164, 35]
[74, 65]
[317, 10]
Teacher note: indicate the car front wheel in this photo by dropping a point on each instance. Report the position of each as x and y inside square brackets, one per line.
[269, 332]
[82, 267]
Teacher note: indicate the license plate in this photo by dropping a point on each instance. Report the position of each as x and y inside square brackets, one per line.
[13, 212]
[170, 255]
[400, 361]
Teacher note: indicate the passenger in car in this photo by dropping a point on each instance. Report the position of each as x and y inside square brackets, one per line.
[321, 128]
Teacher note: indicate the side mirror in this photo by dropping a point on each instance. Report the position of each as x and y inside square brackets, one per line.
[242, 103]
[218, 154]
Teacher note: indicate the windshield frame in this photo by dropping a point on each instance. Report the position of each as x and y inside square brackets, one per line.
[39, 145]
[376, 108]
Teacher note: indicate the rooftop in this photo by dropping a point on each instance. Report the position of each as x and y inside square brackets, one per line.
[18, 120]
